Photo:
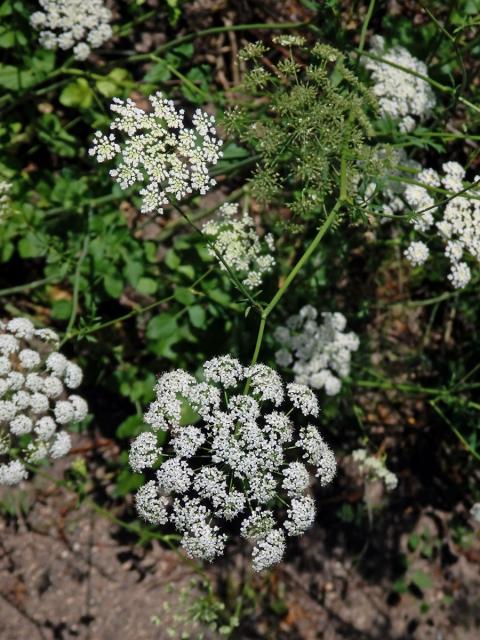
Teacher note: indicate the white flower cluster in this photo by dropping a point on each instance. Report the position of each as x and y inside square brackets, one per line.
[401, 95]
[457, 226]
[34, 401]
[81, 24]
[320, 352]
[374, 469]
[236, 240]
[5, 202]
[158, 151]
[241, 454]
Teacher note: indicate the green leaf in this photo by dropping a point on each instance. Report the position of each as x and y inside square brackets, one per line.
[127, 482]
[184, 296]
[159, 72]
[132, 272]
[113, 286]
[197, 316]
[31, 246]
[14, 78]
[161, 326]
[147, 286]
[77, 94]
[172, 260]
[61, 309]
[130, 427]
[113, 83]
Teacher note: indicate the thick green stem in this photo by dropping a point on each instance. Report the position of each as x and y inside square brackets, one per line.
[289, 279]
[304, 259]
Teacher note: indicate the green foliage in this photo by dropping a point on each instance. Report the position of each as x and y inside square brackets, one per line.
[312, 138]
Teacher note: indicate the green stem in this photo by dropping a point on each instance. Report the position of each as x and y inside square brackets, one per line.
[462, 439]
[366, 22]
[134, 312]
[304, 259]
[288, 281]
[26, 287]
[76, 283]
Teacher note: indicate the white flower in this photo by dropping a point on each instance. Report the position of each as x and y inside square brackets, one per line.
[57, 363]
[401, 95]
[318, 350]
[32, 389]
[269, 550]
[300, 515]
[233, 460]
[144, 451]
[417, 253]
[475, 511]
[303, 398]
[174, 476]
[61, 445]
[459, 275]
[295, 478]
[12, 473]
[318, 453]
[151, 506]
[455, 226]
[158, 152]
[20, 425]
[236, 240]
[45, 428]
[64, 412]
[67, 23]
[73, 375]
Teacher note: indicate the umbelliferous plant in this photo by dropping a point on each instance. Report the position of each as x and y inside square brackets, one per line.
[35, 399]
[243, 455]
[156, 151]
[306, 117]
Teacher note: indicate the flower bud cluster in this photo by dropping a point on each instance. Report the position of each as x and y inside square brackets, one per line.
[247, 452]
[158, 152]
[35, 380]
[79, 24]
[319, 353]
[401, 95]
[236, 240]
[373, 468]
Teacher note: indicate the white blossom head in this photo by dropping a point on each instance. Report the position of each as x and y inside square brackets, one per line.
[248, 454]
[402, 96]
[34, 398]
[236, 240]
[317, 348]
[80, 25]
[157, 152]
